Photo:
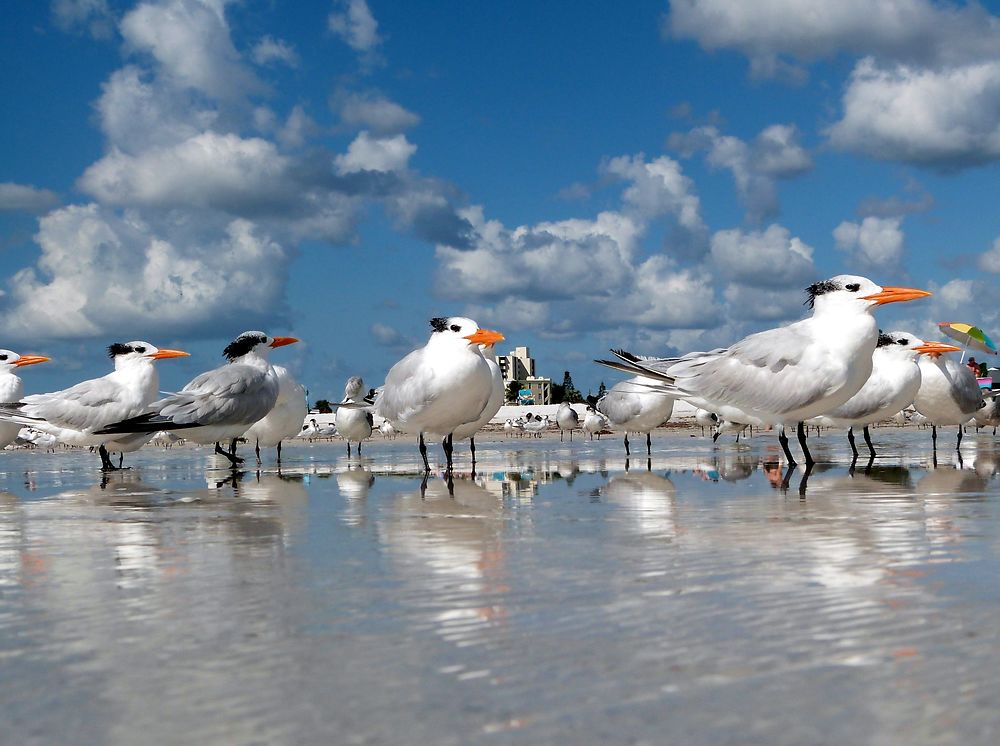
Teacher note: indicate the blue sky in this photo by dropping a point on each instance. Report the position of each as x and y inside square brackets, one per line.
[660, 176]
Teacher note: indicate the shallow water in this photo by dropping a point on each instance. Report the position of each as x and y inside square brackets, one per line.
[553, 598]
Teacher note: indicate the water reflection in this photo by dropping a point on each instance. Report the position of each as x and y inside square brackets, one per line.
[447, 541]
[647, 498]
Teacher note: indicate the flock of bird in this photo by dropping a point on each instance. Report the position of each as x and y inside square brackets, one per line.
[833, 368]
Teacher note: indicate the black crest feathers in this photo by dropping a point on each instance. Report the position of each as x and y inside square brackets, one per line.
[118, 348]
[243, 344]
[884, 339]
[819, 288]
[439, 324]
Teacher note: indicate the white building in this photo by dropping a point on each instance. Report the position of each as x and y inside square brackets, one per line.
[519, 366]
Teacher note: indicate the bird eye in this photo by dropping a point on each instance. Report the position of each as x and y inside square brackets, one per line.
[3, 357]
[904, 341]
[853, 287]
[456, 328]
[140, 350]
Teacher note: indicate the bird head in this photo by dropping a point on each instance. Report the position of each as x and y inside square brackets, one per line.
[130, 353]
[254, 342]
[845, 292]
[9, 360]
[461, 328]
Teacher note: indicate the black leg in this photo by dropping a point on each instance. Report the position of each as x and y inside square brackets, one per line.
[472, 447]
[805, 449]
[649, 446]
[234, 460]
[423, 453]
[868, 441]
[783, 441]
[121, 459]
[959, 443]
[850, 439]
[448, 449]
[934, 437]
[279, 452]
[626, 445]
[715, 436]
[106, 464]
[256, 450]
[359, 448]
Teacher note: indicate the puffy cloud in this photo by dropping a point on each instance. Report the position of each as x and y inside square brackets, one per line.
[770, 31]
[559, 260]
[367, 153]
[944, 118]
[763, 259]
[269, 50]
[373, 112]
[138, 112]
[989, 261]
[92, 17]
[102, 271]
[356, 25]
[774, 154]
[510, 314]
[190, 42]
[665, 297]
[23, 198]
[875, 242]
[926, 91]
[207, 170]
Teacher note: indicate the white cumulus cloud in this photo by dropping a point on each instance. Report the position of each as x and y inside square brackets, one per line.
[368, 153]
[874, 242]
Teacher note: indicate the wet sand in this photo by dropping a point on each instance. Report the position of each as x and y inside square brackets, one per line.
[703, 595]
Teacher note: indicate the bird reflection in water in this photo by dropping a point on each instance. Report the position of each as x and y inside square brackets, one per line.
[447, 539]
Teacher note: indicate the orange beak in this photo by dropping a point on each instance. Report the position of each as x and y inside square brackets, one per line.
[485, 337]
[936, 348]
[895, 295]
[282, 341]
[30, 360]
[163, 354]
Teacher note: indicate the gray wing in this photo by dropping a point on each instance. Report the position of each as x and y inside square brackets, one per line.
[87, 405]
[759, 372]
[230, 394]
[404, 392]
[620, 404]
[965, 389]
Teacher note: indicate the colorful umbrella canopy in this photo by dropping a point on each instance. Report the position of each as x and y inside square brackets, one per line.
[969, 336]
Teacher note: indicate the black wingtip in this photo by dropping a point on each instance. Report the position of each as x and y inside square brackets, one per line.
[625, 355]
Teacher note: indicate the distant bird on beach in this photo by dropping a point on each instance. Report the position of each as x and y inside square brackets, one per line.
[635, 406]
[354, 424]
[567, 419]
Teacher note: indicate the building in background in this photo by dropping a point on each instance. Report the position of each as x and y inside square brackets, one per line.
[519, 366]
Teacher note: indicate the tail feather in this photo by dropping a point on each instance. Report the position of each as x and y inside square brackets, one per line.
[145, 423]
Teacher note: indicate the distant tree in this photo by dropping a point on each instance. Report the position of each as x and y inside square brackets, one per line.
[512, 389]
[324, 407]
[570, 393]
[601, 390]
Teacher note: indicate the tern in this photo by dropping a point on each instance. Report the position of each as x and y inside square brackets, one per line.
[284, 421]
[703, 418]
[635, 407]
[469, 429]
[354, 424]
[440, 386]
[567, 419]
[219, 404]
[535, 425]
[891, 387]
[12, 388]
[948, 395]
[788, 374]
[594, 422]
[76, 416]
